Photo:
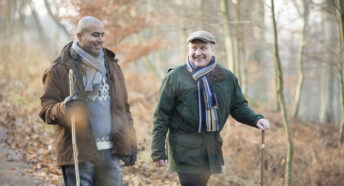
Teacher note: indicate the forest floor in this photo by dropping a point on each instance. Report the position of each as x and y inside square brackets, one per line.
[12, 172]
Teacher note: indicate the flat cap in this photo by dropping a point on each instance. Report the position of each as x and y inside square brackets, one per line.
[202, 35]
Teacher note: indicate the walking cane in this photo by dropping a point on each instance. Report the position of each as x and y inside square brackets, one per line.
[75, 153]
[262, 160]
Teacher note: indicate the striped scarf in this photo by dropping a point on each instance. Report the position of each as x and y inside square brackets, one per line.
[208, 119]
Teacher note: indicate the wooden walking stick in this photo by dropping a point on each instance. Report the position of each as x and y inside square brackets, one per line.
[262, 159]
[75, 150]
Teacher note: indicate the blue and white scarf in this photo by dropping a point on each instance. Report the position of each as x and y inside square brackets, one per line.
[208, 119]
[95, 68]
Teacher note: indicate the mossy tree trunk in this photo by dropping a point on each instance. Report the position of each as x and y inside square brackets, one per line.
[327, 86]
[280, 94]
[228, 36]
[300, 59]
[340, 65]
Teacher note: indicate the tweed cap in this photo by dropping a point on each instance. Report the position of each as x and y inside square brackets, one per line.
[202, 35]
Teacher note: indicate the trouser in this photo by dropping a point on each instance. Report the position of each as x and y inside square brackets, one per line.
[104, 170]
[193, 179]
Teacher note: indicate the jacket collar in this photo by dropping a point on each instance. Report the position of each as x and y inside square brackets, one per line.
[67, 54]
[217, 75]
[70, 59]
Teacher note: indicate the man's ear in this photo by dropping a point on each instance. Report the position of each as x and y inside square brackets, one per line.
[213, 49]
[78, 36]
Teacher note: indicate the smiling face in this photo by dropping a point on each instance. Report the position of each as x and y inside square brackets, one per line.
[91, 38]
[200, 52]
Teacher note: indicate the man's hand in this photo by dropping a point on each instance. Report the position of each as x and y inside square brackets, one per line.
[263, 124]
[74, 106]
[73, 103]
[161, 163]
[130, 160]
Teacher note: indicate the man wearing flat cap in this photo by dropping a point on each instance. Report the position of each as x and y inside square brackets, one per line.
[194, 103]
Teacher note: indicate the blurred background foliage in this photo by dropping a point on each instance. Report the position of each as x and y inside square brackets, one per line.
[149, 37]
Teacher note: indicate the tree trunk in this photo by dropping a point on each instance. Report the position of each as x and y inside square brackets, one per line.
[39, 27]
[340, 65]
[241, 59]
[279, 90]
[159, 57]
[203, 14]
[10, 20]
[237, 42]
[327, 88]
[300, 60]
[341, 86]
[55, 19]
[184, 30]
[228, 37]
[260, 84]
[278, 106]
[151, 65]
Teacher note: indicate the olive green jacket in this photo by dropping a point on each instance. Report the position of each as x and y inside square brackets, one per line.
[177, 112]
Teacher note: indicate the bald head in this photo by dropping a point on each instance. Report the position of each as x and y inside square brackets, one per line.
[90, 35]
[85, 23]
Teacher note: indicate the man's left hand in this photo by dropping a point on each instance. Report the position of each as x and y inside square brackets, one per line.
[263, 124]
[130, 160]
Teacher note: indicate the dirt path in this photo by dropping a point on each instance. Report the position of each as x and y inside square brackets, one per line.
[13, 172]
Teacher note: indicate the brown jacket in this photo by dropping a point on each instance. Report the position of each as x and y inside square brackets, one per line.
[56, 89]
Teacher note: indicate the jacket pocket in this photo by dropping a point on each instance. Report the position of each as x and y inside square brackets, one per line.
[188, 109]
[188, 148]
[220, 156]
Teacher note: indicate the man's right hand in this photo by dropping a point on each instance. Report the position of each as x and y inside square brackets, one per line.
[161, 163]
[77, 107]
[73, 103]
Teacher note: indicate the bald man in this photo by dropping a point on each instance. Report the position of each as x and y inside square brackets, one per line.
[104, 126]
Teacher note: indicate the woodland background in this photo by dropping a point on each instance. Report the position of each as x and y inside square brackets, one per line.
[290, 71]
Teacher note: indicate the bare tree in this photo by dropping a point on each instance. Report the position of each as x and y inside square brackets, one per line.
[256, 49]
[38, 26]
[340, 8]
[280, 94]
[228, 36]
[327, 88]
[15, 18]
[305, 16]
[239, 47]
[55, 18]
